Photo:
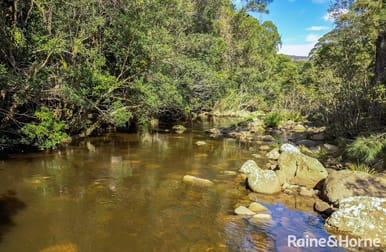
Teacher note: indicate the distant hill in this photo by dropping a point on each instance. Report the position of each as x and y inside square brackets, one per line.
[294, 57]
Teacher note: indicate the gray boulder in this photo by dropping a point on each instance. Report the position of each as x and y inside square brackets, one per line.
[249, 167]
[274, 154]
[264, 181]
[299, 169]
[318, 136]
[345, 183]
[289, 148]
[360, 216]
[331, 148]
[306, 142]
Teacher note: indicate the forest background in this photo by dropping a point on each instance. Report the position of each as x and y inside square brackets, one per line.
[69, 68]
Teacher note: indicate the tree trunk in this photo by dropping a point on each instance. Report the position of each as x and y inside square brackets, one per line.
[380, 63]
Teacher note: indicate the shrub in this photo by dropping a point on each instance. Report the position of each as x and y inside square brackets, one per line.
[294, 116]
[273, 119]
[47, 133]
[366, 149]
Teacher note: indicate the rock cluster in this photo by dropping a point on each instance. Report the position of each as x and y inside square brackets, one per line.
[256, 212]
[353, 202]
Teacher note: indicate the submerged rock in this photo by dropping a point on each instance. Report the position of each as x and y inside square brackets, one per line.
[230, 173]
[179, 129]
[360, 216]
[257, 207]
[214, 132]
[65, 247]
[299, 169]
[200, 143]
[242, 210]
[197, 181]
[261, 217]
[345, 183]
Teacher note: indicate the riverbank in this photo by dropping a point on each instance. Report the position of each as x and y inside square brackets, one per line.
[337, 192]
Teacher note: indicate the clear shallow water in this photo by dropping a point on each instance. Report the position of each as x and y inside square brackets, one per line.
[124, 192]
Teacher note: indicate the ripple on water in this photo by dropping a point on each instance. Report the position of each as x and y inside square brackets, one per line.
[128, 194]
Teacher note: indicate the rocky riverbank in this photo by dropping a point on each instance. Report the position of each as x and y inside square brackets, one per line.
[351, 202]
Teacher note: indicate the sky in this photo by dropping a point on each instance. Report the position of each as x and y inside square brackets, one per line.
[300, 23]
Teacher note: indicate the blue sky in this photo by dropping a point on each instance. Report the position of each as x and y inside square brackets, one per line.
[300, 23]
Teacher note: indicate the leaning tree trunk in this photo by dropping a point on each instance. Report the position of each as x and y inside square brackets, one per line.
[380, 63]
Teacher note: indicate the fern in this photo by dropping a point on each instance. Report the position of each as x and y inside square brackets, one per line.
[366, 149]
[273, 119]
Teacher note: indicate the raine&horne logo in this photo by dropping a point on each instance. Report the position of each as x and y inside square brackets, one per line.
[332, 242]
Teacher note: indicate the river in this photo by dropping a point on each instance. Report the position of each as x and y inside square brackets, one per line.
[124, 192]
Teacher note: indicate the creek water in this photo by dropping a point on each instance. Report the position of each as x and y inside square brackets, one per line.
[124, 192]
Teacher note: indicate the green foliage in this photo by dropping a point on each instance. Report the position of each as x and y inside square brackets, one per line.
[292, 115]
[120, 114]
[346, 85]
[47, 133]
[362, 168]
[366, 149]
[109, 62]
[273, 119]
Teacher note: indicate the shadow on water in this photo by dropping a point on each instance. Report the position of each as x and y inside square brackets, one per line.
[9, 206]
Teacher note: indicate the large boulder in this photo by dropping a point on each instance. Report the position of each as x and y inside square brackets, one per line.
[264, 181]
[274, 154]
[299, 169]
[345, 183]
[289, 148]
[249, 167]
[360, 216]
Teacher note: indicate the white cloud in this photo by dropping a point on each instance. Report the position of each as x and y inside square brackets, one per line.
[312, 38]
[298, 49]
[331, 15]
[317, 28]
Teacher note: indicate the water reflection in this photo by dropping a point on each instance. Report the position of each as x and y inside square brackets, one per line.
[10, 204]
[122, 192]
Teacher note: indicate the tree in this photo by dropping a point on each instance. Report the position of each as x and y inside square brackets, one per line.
[346, 60]
[256, 5]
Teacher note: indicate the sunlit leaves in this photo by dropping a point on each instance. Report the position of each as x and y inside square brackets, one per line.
[47, 132]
